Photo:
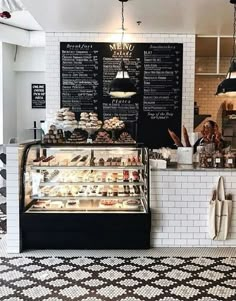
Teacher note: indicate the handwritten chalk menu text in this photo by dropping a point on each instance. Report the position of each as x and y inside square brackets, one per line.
[79, 76]
[87, 69]
[38, 92]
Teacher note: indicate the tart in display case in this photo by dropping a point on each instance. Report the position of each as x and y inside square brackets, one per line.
[82, 185]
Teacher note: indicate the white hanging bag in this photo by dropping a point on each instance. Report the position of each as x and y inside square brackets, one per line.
[222, 209]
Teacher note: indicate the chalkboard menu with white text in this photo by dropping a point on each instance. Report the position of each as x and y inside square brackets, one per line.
[156, 69]
[38, 93]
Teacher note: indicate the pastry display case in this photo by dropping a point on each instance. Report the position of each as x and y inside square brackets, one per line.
[83, 192]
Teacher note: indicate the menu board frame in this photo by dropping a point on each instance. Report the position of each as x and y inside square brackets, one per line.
[158, 104]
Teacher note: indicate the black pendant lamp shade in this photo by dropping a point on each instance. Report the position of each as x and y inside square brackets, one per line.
[228, 86]
[122, 86]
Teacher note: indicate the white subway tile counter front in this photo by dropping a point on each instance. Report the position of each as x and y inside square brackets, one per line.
[179, 203]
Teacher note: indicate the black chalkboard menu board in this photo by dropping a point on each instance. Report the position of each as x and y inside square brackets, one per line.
[86, 70]
[38, 92]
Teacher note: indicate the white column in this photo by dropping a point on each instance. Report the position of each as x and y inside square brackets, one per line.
[13, 201]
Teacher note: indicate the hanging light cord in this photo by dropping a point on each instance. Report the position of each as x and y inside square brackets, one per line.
[122, 36]
[234, 34]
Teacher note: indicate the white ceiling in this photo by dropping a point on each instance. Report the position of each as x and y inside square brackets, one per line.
[22, 19]
[208, 17]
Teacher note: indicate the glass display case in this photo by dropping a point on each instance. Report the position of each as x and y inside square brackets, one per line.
[86, 179]
[82, 182]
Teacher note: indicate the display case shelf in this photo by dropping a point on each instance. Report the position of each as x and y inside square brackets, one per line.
[114, 168]
[87, 211]
[87, 197]
[92, 183]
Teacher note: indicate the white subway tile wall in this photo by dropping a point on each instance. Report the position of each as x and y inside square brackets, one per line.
[53, 65]
[179, 215]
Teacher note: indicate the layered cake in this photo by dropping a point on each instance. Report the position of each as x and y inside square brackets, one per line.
[78, 136]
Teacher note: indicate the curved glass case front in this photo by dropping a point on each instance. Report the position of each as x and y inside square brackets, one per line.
[85, 179]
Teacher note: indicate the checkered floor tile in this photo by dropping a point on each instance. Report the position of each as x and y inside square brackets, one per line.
[3, 217]
[117, 278]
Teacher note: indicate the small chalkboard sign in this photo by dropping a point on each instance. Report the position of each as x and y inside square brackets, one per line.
[38, 96]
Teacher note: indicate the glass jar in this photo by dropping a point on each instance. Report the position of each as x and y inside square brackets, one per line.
[218, 160]
[202, 158]
[209, 160]
[205, 160]
[229, 160]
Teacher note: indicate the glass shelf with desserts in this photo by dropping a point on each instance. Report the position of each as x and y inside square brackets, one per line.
[85, 179]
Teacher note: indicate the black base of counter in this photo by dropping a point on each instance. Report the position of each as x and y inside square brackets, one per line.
[85, 231]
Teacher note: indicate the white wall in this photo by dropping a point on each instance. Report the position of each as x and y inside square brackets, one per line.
[30, 59]
[9, 93]
[30, 69]
[53, 65]
[25, 114]
[21, 67]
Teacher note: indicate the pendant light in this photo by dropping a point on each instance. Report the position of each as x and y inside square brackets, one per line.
[228, 86]
[122, 86]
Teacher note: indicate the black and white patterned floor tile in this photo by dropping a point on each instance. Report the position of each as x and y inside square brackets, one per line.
[117, 279]
[3, 217]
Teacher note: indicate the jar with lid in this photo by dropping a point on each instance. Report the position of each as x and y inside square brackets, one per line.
[218, 160]
[229, 160]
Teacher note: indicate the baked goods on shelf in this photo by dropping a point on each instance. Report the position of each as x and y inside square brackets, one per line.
[65, 119]
[47, 161]
[48, 176]
[78, 136]
[103, 137]
[53, 136]
[74, 160]
[72, 204]
[56, 205]
[126, 138]
[83, 161]
[89, 121]
[132, 204]
[107, 203]
[37, 161]
[40, 204]
[113, 124]
[135, 176]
